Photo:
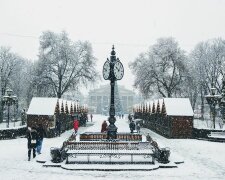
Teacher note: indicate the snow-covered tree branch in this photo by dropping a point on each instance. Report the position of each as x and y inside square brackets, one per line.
[161, 69]
[64, 64]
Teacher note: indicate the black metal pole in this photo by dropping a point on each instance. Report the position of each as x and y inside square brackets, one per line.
[112, 103]
[223, 99]
[112, 129]
[8, 116]
[214, 114]
[14, 116]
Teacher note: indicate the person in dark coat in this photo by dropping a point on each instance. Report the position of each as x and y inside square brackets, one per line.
[132, 126]
[104, 126]
[129, 118]
[40, 136]
[58, 128]
[148, 138]
[23, 117]
[31, 141]
[91, 117]
[138, 128]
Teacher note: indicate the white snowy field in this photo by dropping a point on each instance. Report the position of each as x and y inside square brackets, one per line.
[202, 159]
[12, 125]
[208, 124]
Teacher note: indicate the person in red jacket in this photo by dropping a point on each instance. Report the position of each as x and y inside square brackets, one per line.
[75, 125]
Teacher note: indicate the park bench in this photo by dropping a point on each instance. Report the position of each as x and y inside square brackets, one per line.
[93, 136]
[109, 152]
[217, 135]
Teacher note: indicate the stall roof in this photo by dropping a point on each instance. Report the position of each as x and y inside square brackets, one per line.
[42, 106]
[178, 107]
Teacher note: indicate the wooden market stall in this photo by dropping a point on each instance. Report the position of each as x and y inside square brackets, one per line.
[170, 117]
[50, 111]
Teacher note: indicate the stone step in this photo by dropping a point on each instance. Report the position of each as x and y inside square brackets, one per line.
[110, 167]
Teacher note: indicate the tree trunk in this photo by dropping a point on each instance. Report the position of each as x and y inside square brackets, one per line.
[59, 92]
[195, 96]
[59, 95]
[202, 106]
[169, 94]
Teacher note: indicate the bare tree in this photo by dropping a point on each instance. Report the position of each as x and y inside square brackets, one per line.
[161, 69]
[63, 64]
[8, 63]
[21, 81]
[208, 63]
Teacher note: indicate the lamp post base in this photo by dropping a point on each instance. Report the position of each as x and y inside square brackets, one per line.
[112, 129]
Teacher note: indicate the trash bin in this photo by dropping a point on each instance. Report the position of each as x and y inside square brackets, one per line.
[164, 155]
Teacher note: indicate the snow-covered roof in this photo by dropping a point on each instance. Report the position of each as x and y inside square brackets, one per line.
[178, 107]
[151, 103]
[60, 104]
[42, 106]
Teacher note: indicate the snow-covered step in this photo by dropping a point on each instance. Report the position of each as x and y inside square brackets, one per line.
[110, 167]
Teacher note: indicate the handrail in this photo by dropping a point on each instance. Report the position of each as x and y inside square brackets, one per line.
[105, 145]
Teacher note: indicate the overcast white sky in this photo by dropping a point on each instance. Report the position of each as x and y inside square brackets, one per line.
[131, 25]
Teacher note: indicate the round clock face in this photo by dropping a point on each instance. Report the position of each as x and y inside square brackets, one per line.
[106, 70]
[118, 70]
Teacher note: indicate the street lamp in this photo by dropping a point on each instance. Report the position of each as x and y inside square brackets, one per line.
[9, 100]
[112, 70]
[213, 100]
[222, 100]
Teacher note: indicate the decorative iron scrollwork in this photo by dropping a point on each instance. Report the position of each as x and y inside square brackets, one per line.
[110, 155]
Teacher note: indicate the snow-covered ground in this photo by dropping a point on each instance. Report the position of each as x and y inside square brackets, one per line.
[198, 123]
[12, 125]
[202, 159]
[208, 124]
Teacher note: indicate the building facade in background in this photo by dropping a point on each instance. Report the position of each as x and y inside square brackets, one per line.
[99, 99]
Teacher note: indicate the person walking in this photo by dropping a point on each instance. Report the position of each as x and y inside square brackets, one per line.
[40, 136]
[129, 118]
[91, 117]
[75, 125]
[148, 138]
[31, 141]
[132, 126]
[23, 117]
[104, 126]
[58, 127]
[138, 128]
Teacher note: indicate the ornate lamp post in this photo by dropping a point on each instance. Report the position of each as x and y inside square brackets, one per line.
[222, 100]
[9, 100]
[213, 100]
[112, 70]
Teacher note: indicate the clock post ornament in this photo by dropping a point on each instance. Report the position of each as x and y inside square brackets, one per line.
[112, 70]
